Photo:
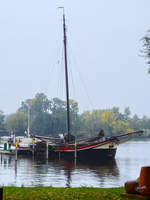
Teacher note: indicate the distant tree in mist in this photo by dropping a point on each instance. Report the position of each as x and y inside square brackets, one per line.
[17, 123]
[2, 123]
[146, 49]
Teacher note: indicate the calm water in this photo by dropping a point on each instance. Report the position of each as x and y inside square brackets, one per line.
[130, 157]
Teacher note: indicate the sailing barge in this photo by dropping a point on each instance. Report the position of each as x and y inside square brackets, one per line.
[95, 148]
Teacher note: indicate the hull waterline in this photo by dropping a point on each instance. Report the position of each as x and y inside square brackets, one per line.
[103, 150]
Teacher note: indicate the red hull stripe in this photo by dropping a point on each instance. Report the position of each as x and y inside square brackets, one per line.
[85, 147]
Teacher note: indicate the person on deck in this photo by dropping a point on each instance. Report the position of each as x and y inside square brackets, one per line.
[101, 133]
[69, 138]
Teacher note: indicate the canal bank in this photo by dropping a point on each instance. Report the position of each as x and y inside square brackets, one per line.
[67, 193]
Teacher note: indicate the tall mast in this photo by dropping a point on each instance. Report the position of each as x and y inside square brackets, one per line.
[66, 77]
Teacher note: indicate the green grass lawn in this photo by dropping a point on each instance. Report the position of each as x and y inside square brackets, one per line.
[44, 193]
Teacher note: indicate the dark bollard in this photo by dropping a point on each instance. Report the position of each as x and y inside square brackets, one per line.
[1, 193]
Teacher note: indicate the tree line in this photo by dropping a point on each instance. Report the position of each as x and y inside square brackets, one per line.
[48, 118]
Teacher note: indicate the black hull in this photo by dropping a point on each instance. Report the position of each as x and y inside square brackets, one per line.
[90, 154]
[97, 151]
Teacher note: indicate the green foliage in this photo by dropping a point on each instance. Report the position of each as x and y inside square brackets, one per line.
[127, 113]
[58, 113]
[40, 104]
[87, 121]
[58, 116]
[17, 123]
[112, 121]
[108, 119]
[49, 117]
[38, 108]
[122, 127]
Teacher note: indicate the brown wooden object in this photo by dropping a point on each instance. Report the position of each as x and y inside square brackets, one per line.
[144, 181]
[135, 196]
[131, 187]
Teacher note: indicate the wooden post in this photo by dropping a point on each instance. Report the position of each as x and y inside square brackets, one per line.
[16, 168]
[16, 158]
[33, 143]
[46, 150]
[1, 157]
[46, 167]
[1, 193]
[75, 152]
[9, 146]
[33, 153]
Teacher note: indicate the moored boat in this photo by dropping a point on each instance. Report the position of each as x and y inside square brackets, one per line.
[95, 148]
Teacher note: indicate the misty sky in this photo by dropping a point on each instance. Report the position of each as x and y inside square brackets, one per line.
[104, 43]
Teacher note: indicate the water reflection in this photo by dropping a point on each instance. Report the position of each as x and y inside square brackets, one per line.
[15, 169]
[60, 173]
[29, 172]
[100, 170]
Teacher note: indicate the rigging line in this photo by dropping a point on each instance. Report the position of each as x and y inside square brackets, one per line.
[70, 75]
[62, 77]
[73, 91]
[84, 86]
[59, 82]
[52, 80]
[51, 72]
[81, 78]
[86, 91]
[72, 79]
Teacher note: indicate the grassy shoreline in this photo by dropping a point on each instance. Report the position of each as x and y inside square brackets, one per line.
[51, 193]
